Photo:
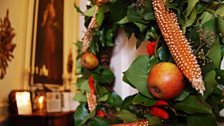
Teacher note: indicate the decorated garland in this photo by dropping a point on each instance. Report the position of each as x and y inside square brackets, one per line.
[179, 81]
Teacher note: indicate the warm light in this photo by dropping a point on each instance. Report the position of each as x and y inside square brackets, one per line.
[41, 99]
[23, 102]
[41, 102]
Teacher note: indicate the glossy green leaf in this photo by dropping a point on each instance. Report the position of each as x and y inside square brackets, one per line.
[149, 16]
[80, 97]
[118, 12]
[163, 53]
[103, 98]
[83, 85]
[114, 100]
[205, 17]
[140, 68]
[126, 116]
[80, 114]
[89, 116]
[193, 104]
[210, 83]
[209, 22]
[90, 11]
[138, 99]
[143, 100]
[136, 16]
[220, 10]
[190, 7]
[99, 18]
[184, 94]
[123, 20]
[191, 19]
[220, 23]
[153, 61]
[215, 53]
[201, 120]
[105, 75]
[201, 7]
[127, 102]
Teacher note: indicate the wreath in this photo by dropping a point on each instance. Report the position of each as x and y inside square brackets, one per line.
[6, 45]
[185, 35]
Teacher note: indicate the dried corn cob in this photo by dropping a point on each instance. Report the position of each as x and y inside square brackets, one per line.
[178, 44]
[138, 123]
[89, 33]
[91, 100]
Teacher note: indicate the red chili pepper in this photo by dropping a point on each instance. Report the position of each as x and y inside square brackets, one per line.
[155, 111]
[151, 48]
[91, 85]
[100, 113]
[161, 103]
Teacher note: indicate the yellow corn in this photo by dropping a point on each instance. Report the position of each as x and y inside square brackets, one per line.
[178, 44]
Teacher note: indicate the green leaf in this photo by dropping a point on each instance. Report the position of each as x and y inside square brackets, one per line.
[127, 102]
[193, 104]
[220, 76]
[123, 20]
[154, 120]
[153, 61]
[210, 83]
[90, 12]
[163, 53]
[83, 85]
[201, 120]
[105, 76]
[182, 96]
[215, 53]
[149, 16]
[91, 115]
[80, 97]
[80, 114]
[138, 99]
[142, 100]
[220, 25]
[190, 7]
[114, 100]
[103, 98]
[135, 16]
[118, 12]
[191, 19]
[142, 27]
[220, 10]
[99, 121]
[209, 22]
[139, 67]
[205, 17]
[99, 18]
[126, 116]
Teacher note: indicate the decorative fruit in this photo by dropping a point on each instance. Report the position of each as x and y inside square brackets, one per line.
[165, 81]
[89, 60]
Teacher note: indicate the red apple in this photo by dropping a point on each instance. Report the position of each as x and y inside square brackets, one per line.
[165, 81]
[89, 60]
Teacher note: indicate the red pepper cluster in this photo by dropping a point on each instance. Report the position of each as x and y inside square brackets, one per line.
[91, 85]
[156, 111]
[151, 48]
